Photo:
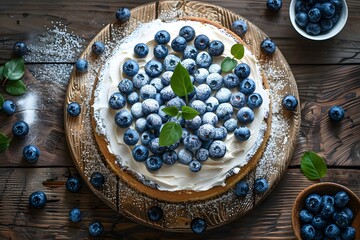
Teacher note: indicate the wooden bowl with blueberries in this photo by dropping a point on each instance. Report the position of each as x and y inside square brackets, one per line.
[326, 211]
[318, 19]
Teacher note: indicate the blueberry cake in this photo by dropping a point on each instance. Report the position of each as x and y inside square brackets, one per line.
[218, 147]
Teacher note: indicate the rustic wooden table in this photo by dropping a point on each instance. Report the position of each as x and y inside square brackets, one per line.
[327, 73]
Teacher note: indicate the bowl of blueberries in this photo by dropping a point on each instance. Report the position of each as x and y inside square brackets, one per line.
[326, 210]
[318, 19]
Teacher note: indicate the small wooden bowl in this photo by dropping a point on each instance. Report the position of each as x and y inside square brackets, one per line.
[327, 188]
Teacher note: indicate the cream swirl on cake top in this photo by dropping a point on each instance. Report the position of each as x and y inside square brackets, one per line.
[178, 176]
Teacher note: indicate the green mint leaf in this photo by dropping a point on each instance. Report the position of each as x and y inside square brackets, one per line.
[14, 69]
[170, 133]
[15, 88]
[313, 166]
[188, 113]
[4, 142]
[180, 81]
[171, 111]
[238, 51]
[1, 101]
[1, 72]
[228, 64]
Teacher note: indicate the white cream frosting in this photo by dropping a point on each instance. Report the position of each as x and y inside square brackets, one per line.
[177, 176]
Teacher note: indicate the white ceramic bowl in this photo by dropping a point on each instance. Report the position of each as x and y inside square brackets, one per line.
[335, 30]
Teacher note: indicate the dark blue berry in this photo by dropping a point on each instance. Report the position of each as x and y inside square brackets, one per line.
[326, 24]
[327, 10]
[123, 118]
[327, 211]
[117, 101]
[140, 153]
[81, 65]
[216, 48]
[245, 115]
[98, 48]
[307, 232]
[74, 109]
[9, 107]
[130, 68]
[241, 189]
[131, 137]
[20, 129]
[206, 132]
[153, 68]
[290, 102]
[192, 143]
[97, 179]
[96, 229]
[37, 199]
[201, 42]
[313, 202]
[141, 50]
[204, 60]
[20, 49]
[268, 46]
[195, 166]
[75, 215]
[247, 86]
[313, 29]
[342, 220]
[348, 233]
[160, 51]
[126, 86]
[319, 222]
[155, 213]
[187, 32]
[198, 225]
[190, 52]
[239, 27]
[155, 148]
[336, 113]
[178, 44]
[238, 100]
[73, 184]
[31, 153]
[153, 121]
[162, 37]
[337, 4]
[274, 5]
[326, 199]
[332, 231]
[261, 185]
[242, 133]
[306, 216]
[231, 80]
[301, 19]
[153, 163]
[123, 14]
[146, 137]
[242, 70]
[314, 15]
[254, 100]
[341, 199]
[169, 157]
[202, 154]
[217, 149]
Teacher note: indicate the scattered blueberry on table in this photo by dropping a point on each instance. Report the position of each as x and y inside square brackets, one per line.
[290, 102]
[336, 113]
[31, 153]
[97, 179]
[123, 14]
[73, 184]
[74, 109]
[98, 48]
[96, 229]
[75, 215]
[198, 225]
[155, 213]
[261, 185]
[20, 49]
[268, 46]
[241, 189]
[20, 128]
[81, 65]
[9, 107]
[274, 5]
[239, 27]
[37, 199]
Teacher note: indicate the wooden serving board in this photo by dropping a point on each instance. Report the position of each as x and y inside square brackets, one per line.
[177, 216]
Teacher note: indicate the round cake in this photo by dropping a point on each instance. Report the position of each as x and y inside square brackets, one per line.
[178, 181]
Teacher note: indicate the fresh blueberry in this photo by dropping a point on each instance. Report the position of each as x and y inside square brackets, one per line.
[153, 68]
[204, 60]
[180, 120]
[201, 42]
[306, 216]
[224, 111]
[147, 91]
[155, 148]
[254, 100]
[123, 14]
[146, 137]
[217, 149]
[336, 113]
[337, 4]
[133, 98]
[184, 134]
[301, 6]
[220, 133]
[155, 213]
[211, 104]
[307, 232]
[326, 199]
[200, 75]
[187, 32]
[290, 102]
[198, 105]
[20, 49]
[131, 137]
[174, 146]
[75, 215]
[242, 70]
[206, 144]
[215, 81]
[157, 84]
[169, 157]
[123, 118]
[231, 80]
[241, 189]
[230, 124]
[153, 163]
[141, 125]
[98, 48]
[313, 29]
[238, 100]
[349, 212]
[190, 65]
[239, 27]
[137, 110]
[268, 46]
[74, 109]
[130, 68]
[203, 92]
[73, 184]
[206, 132]
[319, 222]
[96, 229]
[313, 202]
[332, 231]
[97, 179]
[141, 50]
[202, 154]
[162, 37]
[117, 101]
[327, 10]
[192, 143]
[153, 121]
[348, 233]
[245, 115]
[163, 115]
[170, 62]
[160, 51]
[140, 79]
[216, 48]
[150, 106]
[176, 102]
[194, 123]
[178, 44]
[342, 220]
[198, 225]
[185, 156]
[223, 95]
[301, 19]
[126, 86]
[195, 166]
[341, 199]
[81, 65]
[327, 211]
[210, 118]
[242, 133]
[314, 15]
[326, 24]
[37, 199]
[190, 52]
[9, 107]
[20, 128]
[31, 153]
[261, 185]
[274, 5]
[140, 153]
[166, 77]
[215, 68]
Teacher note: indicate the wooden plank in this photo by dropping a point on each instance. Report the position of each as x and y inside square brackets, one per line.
[270, 220]
[27, 20]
